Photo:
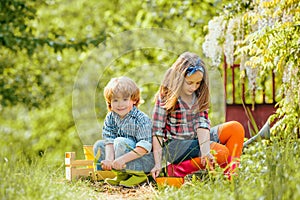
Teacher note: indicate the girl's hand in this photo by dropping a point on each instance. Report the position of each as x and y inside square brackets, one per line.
[155, 171]
[208, 159]
[106, 164]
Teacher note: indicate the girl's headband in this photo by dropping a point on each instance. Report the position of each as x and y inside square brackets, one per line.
[193, 68]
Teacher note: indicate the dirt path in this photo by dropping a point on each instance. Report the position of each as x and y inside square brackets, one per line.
[145, 191]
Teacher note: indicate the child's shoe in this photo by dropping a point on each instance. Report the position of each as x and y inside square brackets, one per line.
[120, 176]
[136, 178]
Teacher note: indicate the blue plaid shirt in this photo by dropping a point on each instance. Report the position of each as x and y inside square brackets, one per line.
[136, 126]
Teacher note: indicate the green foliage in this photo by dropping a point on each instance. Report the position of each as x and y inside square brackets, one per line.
[43, 46]
[273, 164]
[23, 82]
[30, 26]
[48, 133]
[18, 29]
[26, 80]
[265, 39]
[15, 33]
[267, 172]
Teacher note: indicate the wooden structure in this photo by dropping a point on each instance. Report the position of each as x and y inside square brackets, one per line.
[238, 98]
[76, 169]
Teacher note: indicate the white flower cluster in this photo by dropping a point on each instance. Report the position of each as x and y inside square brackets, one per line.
[290, 78]
[290, 75]
[243, 62]
[252, 72]
[262, 21]
[211, 46]
[233, 28]
[287, 17]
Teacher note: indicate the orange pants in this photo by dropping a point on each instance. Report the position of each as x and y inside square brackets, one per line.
[231, 136]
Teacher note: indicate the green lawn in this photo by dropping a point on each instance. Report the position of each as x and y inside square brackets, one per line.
[269, 170]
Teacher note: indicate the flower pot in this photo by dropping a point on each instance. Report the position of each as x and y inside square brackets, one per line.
[170, 181]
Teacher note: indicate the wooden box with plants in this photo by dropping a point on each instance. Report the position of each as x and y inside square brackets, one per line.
[76, 169]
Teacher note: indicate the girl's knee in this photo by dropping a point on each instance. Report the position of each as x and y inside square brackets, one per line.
[238, 128]
[221, 152]
[234, 127]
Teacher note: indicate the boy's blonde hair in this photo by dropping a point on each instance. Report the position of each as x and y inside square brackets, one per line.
[174, 78]
[121, 86]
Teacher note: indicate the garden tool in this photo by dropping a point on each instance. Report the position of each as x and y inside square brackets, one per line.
[263, 133]
[135, 178]
[120, 176]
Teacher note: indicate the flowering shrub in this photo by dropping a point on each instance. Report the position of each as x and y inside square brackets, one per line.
[263, 36]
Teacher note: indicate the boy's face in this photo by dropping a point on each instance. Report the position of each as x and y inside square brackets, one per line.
[121, 105]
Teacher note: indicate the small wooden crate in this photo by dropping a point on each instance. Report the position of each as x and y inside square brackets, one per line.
[76, 169]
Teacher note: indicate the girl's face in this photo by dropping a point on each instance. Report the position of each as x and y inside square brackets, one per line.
[121, 105]
[192, 83]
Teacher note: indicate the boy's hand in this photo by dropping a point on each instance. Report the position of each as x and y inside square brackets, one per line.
[118, 164]
[106, 164]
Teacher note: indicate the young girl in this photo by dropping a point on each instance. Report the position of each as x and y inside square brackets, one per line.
[127, 137]
[181, 127]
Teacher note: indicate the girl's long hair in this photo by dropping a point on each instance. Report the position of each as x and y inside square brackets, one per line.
[174, 78]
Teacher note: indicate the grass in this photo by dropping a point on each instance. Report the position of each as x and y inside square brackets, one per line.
[35, 179]
[268, 170]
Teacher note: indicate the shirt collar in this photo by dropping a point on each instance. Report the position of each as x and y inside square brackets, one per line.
[182, 103]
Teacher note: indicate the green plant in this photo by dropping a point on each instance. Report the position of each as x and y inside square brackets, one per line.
[262, 36]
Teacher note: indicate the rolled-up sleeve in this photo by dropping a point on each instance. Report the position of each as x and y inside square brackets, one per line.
[203, 120]
[144, 135]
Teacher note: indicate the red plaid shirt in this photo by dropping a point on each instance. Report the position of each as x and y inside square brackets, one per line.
[182, 123]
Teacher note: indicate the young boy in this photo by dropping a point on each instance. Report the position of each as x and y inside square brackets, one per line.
[127, 135]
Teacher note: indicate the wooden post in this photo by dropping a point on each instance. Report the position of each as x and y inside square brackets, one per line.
[76, 169]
